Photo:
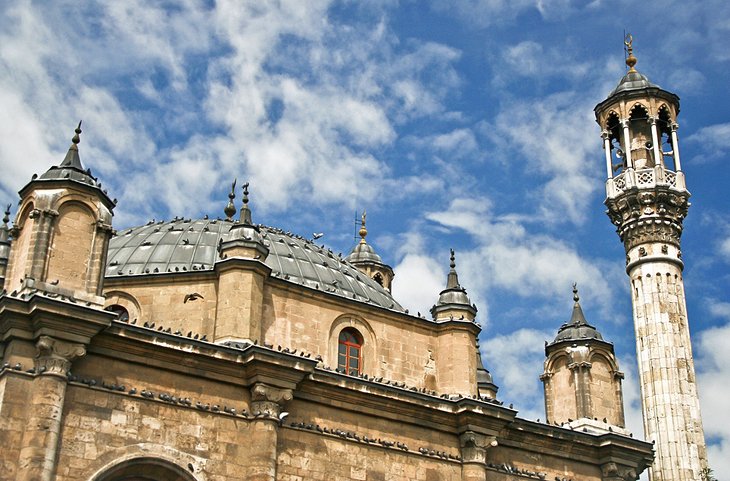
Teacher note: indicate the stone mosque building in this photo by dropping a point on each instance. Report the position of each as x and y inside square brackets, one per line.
[222, 349]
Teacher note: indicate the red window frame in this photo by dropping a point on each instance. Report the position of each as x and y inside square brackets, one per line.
[349, 351]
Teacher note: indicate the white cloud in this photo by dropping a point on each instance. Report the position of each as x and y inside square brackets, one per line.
[713, 363]
[554, 137]
[516, 362]
[507, 256]
[713, 141]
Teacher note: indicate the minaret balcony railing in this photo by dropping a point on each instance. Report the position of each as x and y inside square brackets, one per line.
[645, 179]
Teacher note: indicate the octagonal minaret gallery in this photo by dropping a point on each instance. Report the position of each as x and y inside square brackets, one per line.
[647, 201]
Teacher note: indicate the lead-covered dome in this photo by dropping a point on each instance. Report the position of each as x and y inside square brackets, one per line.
[187, 245]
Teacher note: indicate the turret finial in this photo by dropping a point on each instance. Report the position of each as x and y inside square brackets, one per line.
[230, 208]
[245, 211]
[72, 156]
[76, 139]
[6, 218]
[452, 281]
[363, 230]
[630, 59]
[576, 298]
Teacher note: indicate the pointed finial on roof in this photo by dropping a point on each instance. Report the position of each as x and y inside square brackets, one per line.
[4, 229]
[630, 59]
[245, 211]
[230, 209]
[363, 230]
[72, 157]
[453, 279]
[578, 318]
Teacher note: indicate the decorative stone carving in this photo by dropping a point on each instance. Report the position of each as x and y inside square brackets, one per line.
[269, 400]
[55, 356]
[474, 446]
[654, 215]
[615, 472]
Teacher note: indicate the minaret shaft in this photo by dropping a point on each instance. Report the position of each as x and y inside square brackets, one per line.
[666, 370]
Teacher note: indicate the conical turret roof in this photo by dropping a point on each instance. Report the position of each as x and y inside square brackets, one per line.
[577, 328]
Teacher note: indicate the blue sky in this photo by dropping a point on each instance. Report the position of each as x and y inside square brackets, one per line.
[463, 123]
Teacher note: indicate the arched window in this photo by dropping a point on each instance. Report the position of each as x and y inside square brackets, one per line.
[349, 353]
[378, 278]
[120, 311]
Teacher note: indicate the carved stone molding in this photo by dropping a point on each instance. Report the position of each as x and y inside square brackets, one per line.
[474, 446]
[55, 356]
[269, 400]
[612, 471]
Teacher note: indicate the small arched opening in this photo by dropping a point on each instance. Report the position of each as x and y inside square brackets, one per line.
[642, 146]
[121, 312]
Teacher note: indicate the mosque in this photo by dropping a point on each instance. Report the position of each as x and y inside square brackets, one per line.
[221, 349]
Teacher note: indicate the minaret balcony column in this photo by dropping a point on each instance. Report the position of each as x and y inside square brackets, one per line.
[659, 159]
[675, 147]
[607, 150]
[627, 143]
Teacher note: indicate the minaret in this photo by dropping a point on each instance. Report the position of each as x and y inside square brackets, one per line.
[582, 379]
[647, 201]
[364, 257]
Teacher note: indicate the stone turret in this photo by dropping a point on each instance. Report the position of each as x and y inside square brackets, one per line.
[243, 274]
[364, 257]
[581, 378]
[647, 201]
[62, 232]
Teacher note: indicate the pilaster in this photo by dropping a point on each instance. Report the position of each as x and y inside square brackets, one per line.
[267, 403]
[48, 392]
[474, 455]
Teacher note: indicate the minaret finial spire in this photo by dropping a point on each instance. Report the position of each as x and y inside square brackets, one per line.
[363, 230]
[576, 297]
[230, 209]
[245, 211]
[6, 218]
[630, 59]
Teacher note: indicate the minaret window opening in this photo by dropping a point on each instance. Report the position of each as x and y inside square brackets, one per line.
[349, 353]
[615, 145]
[378, 278]
[642, 146]
[664, 129]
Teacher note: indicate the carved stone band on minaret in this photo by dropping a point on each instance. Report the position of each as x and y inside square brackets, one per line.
[642, 216]
[54, 357]
[269, 399]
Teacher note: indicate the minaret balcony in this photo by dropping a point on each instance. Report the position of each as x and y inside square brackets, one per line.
[657, 176]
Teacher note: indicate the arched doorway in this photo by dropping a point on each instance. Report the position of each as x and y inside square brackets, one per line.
[145, 469]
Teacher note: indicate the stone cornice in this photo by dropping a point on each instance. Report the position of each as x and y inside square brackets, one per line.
[33, 315]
